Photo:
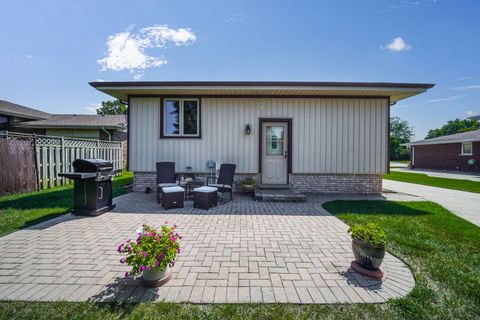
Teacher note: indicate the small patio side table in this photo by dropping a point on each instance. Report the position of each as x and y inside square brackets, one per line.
[189, 186]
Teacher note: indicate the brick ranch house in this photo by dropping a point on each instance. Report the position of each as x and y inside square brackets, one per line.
[459, 151]
[313, 136]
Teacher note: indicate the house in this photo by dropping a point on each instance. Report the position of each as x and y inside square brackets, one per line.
[313, 136]
[17, 118]
[460, 151]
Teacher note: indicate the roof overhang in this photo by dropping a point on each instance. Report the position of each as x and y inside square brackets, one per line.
[413, 144]
[23, 116]
[80, 127]
[393, 91]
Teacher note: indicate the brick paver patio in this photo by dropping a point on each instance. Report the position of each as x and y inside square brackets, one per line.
[243, 251]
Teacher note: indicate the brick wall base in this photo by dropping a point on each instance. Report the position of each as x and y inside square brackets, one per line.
[315, 183]
[336, 183]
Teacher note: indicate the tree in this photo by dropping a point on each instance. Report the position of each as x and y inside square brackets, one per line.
[112, 107]
[400, 132]
[454, 126]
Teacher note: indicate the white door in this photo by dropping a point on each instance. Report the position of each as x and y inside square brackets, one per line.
[274, 153]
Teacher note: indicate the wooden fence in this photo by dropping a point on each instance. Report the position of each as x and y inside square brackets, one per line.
[51, 156]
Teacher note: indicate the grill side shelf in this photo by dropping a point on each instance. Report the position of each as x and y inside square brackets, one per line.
[78, 175]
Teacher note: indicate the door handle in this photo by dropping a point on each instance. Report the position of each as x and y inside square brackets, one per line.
[285, 153]
[101, 193]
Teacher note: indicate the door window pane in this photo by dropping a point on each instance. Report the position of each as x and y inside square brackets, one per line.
[274, 141]
[190, 116]
[172, 117]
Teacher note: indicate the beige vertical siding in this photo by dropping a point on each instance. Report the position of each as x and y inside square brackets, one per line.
[329, 135]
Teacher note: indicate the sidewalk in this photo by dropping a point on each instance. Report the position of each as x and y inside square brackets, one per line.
[463, 204]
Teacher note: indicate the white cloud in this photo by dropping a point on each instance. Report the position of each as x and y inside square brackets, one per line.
[444, 99]
[470, 113]
[28, 56]
[397, 45]
[92, 108]
[128, 50]
[472, 87]
[234, 18]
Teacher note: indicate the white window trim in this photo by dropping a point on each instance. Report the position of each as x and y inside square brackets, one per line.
[181, 134]
[471, 149]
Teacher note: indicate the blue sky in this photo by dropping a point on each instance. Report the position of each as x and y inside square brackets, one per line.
[50, 50]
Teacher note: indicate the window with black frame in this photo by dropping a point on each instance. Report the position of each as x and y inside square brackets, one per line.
[181, 118]
[3, 123]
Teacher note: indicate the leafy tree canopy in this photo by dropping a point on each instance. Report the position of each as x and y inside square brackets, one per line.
[112, 108]
[454, 126]
[400, 132]
[400, 129]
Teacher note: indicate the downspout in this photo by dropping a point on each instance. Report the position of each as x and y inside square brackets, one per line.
[108, 133]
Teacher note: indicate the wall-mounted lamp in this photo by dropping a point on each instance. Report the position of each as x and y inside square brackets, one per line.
[248, 129]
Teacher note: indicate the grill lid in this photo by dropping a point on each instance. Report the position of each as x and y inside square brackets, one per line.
[92, 165]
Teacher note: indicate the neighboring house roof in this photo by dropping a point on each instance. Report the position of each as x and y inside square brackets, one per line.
[16, 110]
[393, 91]
[468, 136]
[474, 117]
[79, 121]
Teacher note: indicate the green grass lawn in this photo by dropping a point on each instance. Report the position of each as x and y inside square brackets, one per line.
[420, 178]
[442, 249]
[22, 210]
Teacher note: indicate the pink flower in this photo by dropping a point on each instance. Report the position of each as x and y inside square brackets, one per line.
[172, 238]
[142, 268]
[119, 249]
[145, 254]
[161, 256]
[148, 268]
[129, 249]
[129, 240]
[166, 222]
[175, 226]
[156, 263]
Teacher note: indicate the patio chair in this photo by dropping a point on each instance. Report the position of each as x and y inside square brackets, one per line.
[224, 182]
[165, 177]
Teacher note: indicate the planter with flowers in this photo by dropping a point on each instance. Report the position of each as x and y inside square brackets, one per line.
[153, 254]
[368, 245]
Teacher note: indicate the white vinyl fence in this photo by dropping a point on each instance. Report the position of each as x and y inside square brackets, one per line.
[54, 155]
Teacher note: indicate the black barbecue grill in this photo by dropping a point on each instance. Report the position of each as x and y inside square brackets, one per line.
[92, 189]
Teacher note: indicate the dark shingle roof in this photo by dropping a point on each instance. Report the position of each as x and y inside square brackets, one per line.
[16, 110]
[80, 121]
[452, 138]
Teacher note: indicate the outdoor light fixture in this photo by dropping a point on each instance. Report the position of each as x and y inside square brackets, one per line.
[248, 129]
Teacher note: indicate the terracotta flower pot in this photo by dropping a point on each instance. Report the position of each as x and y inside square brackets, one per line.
[367, 255]
[155, 277]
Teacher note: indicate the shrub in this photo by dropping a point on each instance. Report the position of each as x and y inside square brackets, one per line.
[152, 249]
[371, 233]
[249, 182]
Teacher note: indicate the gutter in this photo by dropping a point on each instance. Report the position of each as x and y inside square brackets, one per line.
[108, 133]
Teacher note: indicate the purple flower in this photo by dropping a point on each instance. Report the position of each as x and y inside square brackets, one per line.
[145, 254]
[178, 251]
[173, 263]
[156, 263]
[142, 268]
[148, 268]
[175, 226]
[129, 240]
[122, 260]
[129, 249]
[161, 256]
[119, 249]
[166, 222]
[126, 274]
[172, 238]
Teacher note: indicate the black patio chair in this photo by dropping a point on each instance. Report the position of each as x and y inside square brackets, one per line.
[224, 182]
[165, 177]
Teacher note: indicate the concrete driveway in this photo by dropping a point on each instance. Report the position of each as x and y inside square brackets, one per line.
[463, 204]
[443, 174]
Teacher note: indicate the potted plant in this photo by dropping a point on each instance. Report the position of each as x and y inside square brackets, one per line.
[248, 185]
[153, 254]
[368, 244]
